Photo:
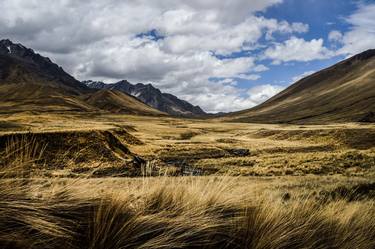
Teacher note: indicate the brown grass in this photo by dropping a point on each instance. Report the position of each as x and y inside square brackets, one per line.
[192, 212]
[274, 150]
[182, 212]
[175, 213]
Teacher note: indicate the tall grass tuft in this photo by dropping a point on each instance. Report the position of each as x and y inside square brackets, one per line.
[175, 213]
[165, 213]
[20, 154]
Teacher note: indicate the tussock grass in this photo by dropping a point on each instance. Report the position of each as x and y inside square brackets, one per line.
[184, 212]
[173, 212]
[20, 154]
[275, 150]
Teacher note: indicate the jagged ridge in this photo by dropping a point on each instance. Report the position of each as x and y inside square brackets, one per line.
[153, 97]
[31, 82]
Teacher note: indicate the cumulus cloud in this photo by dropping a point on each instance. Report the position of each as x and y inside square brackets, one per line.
[335, 36]
[260, 68]
[298, 49]
[261, 93]
[192, 32]
[362, 34]
[249, 76]
[187, 53]
[240, 99]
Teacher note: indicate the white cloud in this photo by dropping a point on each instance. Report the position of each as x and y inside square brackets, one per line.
[285, 27]
[101, 40]
[301, 76]
[297, 49]
[260, 68]
[191, 32]
[261, 93]
[219, 101]
[249, 76]
[362, 34]
[335, 36]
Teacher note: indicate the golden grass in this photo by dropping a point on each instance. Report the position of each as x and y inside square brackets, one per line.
[208, 145]
[167, 212]
[307, 201]
[181, 212]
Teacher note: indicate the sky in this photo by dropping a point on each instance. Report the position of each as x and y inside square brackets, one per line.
[221, 55]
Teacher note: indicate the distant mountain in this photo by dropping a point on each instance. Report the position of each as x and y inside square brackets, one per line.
[119, 102]
[344, 92]
[31, 82]
[152, 96]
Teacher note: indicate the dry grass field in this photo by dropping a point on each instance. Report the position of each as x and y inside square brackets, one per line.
[214, 185]
[188, 212]
[199, 147]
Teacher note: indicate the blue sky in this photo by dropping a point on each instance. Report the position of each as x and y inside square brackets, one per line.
[322, 17]
[221, 55]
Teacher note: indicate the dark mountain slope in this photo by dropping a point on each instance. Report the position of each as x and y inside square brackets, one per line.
[31, 82]
[344, 92]
[119, 102]
[152, 96]
[22, 65]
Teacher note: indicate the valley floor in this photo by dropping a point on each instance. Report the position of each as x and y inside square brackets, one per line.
[239, 185]
[196, 147]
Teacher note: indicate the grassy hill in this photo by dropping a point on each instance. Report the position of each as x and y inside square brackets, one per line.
[31, 82]
[119, 102]
[344, 92]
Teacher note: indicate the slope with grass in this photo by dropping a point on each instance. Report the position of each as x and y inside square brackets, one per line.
[71, 153]
[31, 82]
[119, 102]
[152, 96]
[344, 92]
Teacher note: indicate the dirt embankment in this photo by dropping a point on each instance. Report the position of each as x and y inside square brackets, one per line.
[99, 152]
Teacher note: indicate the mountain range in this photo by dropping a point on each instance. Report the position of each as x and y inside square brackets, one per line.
[153, 97]
[344, 92]
[31, 82]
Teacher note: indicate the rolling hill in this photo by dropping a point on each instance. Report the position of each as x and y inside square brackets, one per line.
[344, 92]
[152, 96]
[119, 102]
[31, 82]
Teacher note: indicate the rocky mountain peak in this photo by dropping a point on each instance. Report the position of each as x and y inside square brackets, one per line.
[42, 68]
[153, 97]
[19, 51]
[15, 49]
[94, 84]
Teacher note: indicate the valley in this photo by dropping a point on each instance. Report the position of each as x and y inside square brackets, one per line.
[175, 146]
[94, 165]
[74, 180]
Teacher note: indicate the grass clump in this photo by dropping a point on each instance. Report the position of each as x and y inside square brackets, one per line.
[188, 135]
[190, 212]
